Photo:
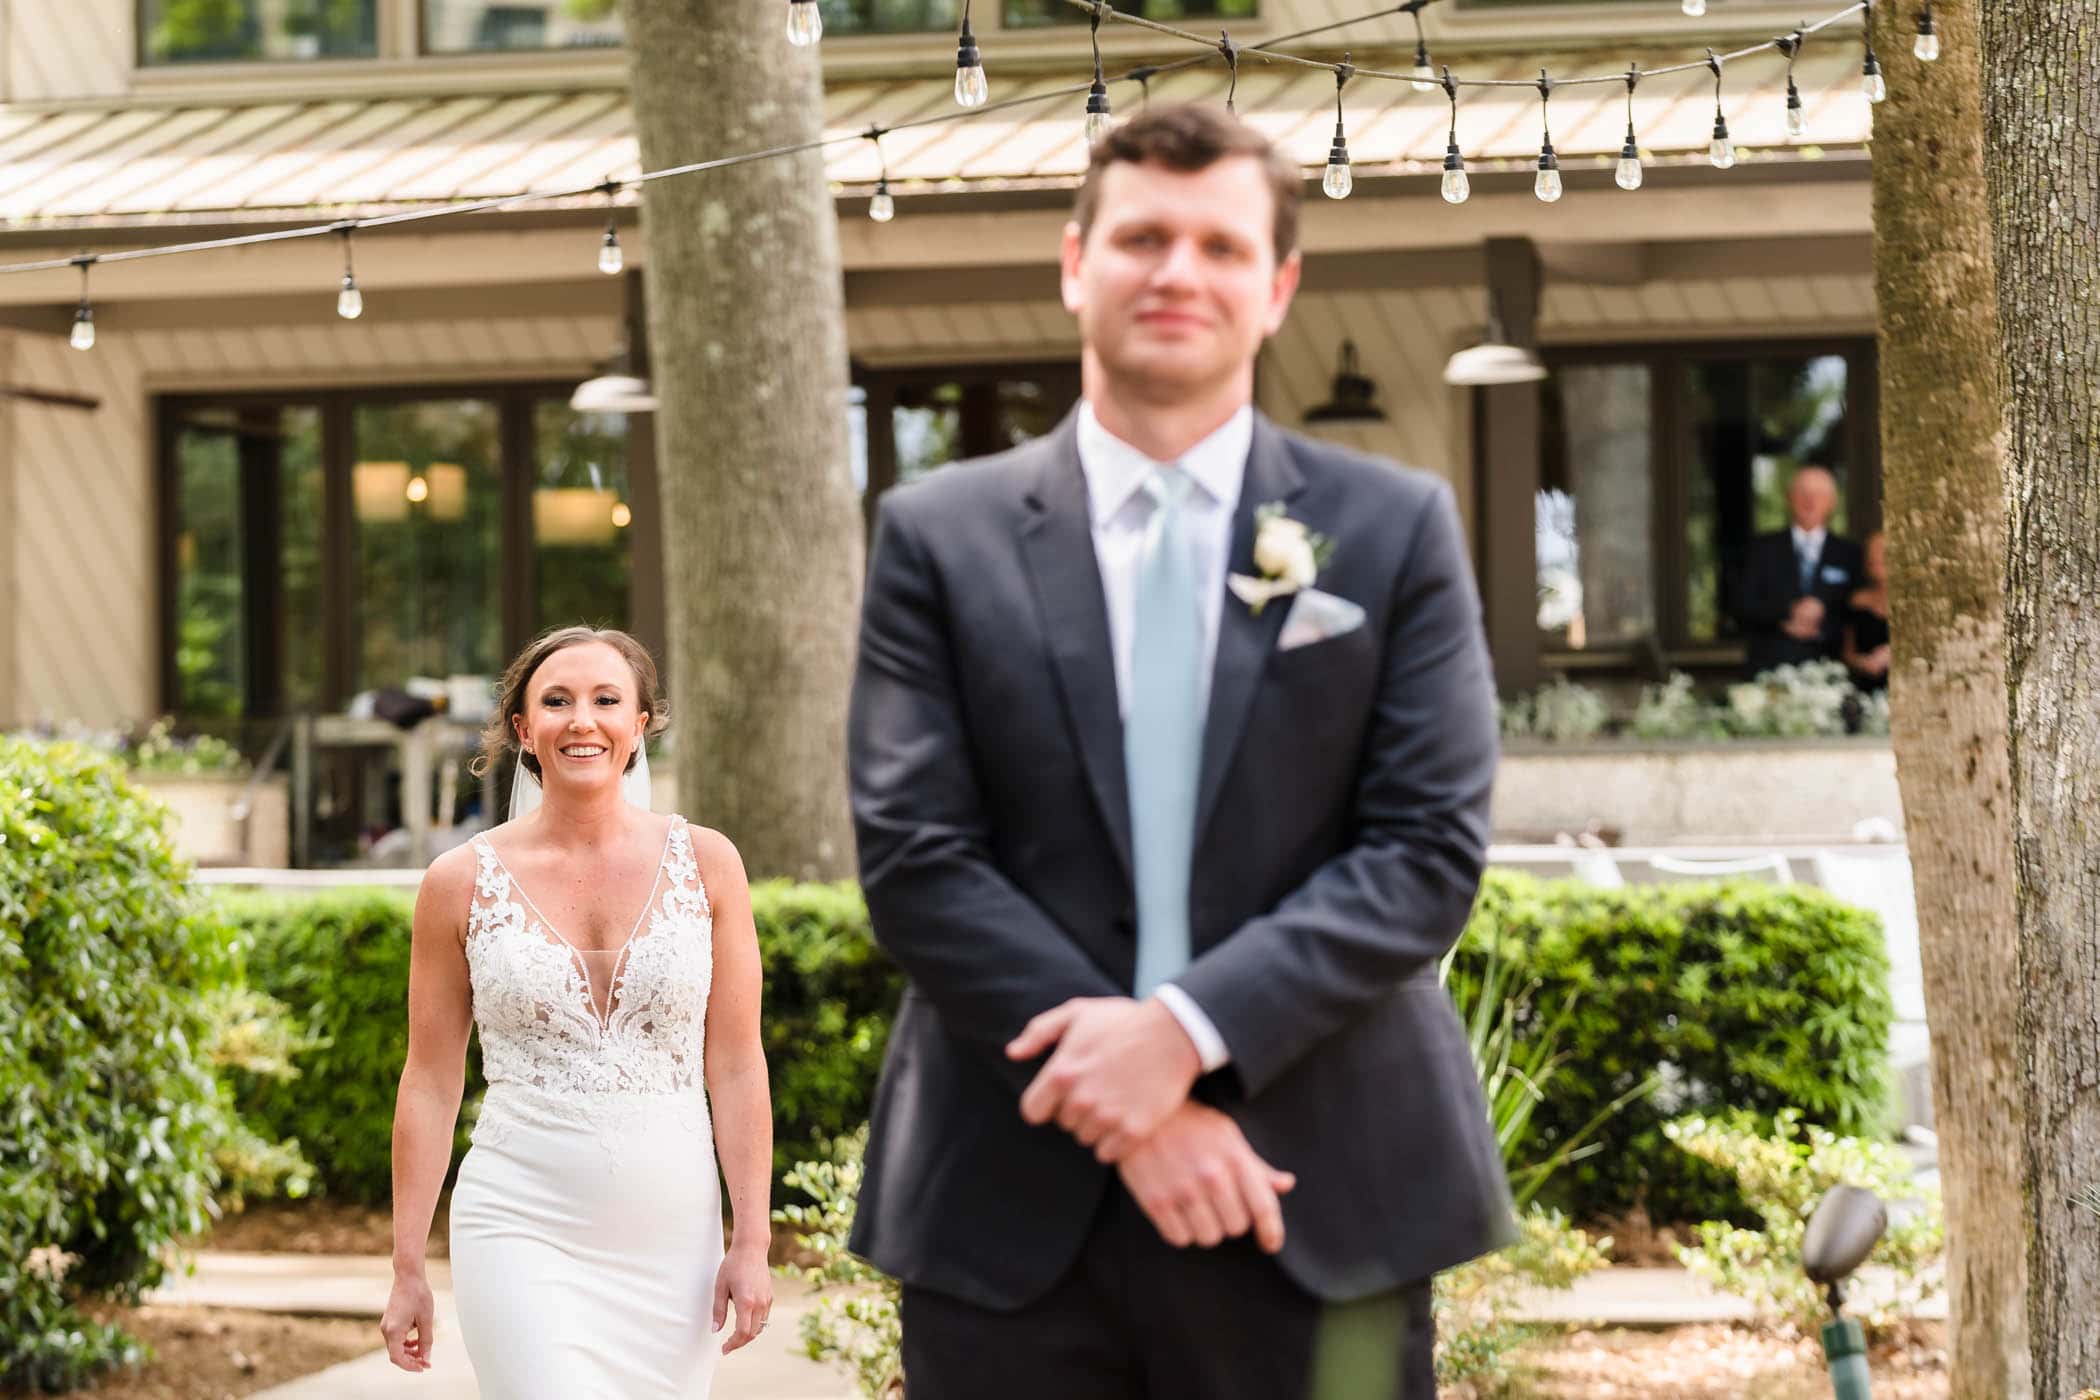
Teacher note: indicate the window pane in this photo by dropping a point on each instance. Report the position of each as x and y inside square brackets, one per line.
[1021, 13]
[209, 641]
[581, 519]
[276, 31]
[471, 26]
[889, 16]
[1596, 567]
[928, 423]
[1753, 421]
[428, 510]
[299, 546]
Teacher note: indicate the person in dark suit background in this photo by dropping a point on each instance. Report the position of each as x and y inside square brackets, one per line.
[1796, 581]
[1171, 742]
[1865, 650]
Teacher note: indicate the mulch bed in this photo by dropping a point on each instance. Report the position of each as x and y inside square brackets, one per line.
[212, 1353]
[316, 1226]
[1718, 1362]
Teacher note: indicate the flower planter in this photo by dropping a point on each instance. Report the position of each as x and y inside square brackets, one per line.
[1740, 791]
[203, 825]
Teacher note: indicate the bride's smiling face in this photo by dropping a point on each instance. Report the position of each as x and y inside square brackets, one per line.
[582, 721]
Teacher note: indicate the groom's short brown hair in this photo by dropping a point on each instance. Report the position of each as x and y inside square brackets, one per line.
[1187, 136]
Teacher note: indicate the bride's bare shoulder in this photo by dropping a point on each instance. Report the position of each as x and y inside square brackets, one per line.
[448, 881]
[717, 854]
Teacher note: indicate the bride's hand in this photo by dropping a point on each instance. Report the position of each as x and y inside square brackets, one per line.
[745, 1281]
[406, 1323]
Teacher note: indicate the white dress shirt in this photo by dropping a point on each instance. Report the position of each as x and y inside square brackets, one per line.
[1115, 475]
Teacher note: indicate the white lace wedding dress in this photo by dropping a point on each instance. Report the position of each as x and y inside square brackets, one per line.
[587, 1220]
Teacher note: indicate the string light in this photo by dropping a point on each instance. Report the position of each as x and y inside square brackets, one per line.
[83, 336]
[881, 208]
[1695, 8]
[1098, 118]
[1232, 63]
[1547, 185]
[1424, 75]
[971, 89]
[1927, 48]
[1722, 151]
[349, 302]
[1338, 180]
[1456, 186]
[805, 23]
[1796, 118]
[1870, 79]
[610, 259]
[972, 92]
[1628, 175]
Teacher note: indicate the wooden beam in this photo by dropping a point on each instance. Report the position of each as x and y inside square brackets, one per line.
[1508, 417]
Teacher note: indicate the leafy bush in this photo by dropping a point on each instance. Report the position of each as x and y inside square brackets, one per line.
[1560, 710]
[109, 1111]
[1739, 996]
[1783, 1174]
[1674, 710]
[159, 751]
[340, 961]
[1786, 702]
[1793, 702]
[860, 1326]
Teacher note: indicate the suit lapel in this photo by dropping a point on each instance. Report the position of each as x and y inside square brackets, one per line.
[1057, 537]
[1244, 640]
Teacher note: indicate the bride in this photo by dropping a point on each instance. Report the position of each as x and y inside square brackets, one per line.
[607, 956]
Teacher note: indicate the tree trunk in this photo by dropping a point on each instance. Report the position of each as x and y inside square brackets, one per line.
[1944, 511]
[762, 536]
[2042, 109]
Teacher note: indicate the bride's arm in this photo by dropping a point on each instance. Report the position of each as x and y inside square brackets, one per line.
[440, 1014]
[738, 1090]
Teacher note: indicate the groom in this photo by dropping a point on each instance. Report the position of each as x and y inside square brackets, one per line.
[1171, 742]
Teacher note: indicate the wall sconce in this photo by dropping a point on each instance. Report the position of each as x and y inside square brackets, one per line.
[1494, 360]
[1353, 392]
[573, 515]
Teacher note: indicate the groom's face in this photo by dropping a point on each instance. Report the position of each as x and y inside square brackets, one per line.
[1176, 283]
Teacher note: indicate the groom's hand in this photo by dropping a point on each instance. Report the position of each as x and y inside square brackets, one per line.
[1199, 1182]
[1120, 1068]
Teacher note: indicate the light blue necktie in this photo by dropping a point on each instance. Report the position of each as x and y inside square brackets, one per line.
[1163, 730]
[1806, 563]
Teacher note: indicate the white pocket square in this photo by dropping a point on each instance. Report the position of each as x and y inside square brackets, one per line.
[1316, 616]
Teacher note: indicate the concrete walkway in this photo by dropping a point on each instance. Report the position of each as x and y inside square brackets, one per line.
[771, 1368]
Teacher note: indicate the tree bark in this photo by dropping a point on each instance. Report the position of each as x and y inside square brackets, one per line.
[762, 536]
[2042, 140]
[1944, 513]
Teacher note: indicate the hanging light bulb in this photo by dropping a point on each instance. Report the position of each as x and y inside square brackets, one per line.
[1547, 186]
[1338, 180]
[1927, 48]
[349, 302]
[882, 208]
[1870, 80]
[1455, 186]
[1694, 8]
[805, 23]
[1424, 75]
[971, 89]
[83, 336]
[1098, 119]
[1722, 150]
[1796, 118]
[1628, 175]
[610, 259]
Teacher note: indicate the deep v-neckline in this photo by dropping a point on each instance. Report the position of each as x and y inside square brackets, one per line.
[601, 1016]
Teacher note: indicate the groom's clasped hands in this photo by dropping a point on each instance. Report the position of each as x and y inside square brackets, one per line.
[1118, 1080]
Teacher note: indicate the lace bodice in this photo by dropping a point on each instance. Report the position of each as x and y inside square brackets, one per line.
[544, 1036]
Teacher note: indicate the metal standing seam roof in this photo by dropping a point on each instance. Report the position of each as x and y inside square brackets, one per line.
[124, 165]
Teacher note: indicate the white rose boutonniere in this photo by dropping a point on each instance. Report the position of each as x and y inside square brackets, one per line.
[1289, 555]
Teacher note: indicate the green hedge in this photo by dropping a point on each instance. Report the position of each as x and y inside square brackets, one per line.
[109, 1110]
[340, 961]
[1741, 995]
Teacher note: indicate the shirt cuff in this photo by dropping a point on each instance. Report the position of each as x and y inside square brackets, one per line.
[1210, 1046]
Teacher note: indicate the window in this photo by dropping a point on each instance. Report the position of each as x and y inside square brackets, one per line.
[911, 422]
[323, 544]
[477, 26]
[890, 16]
[1023, 14]
[1659, 465]
[271, 31]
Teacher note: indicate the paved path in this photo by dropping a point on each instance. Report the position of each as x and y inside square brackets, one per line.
[772, 1368]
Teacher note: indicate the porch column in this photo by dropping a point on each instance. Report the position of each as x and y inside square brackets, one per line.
[1506, 422]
